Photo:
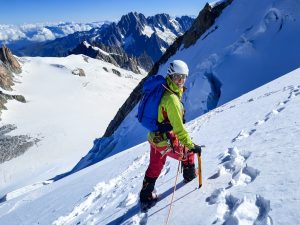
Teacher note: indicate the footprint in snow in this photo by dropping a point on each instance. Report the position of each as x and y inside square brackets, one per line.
[281, 104]
[243, 134]
[221, 171]
[129, 200]
[216, 196]
[248, 211]
[280, 109]
[274, 112]
[225, 207]
[232, 210]
[243, 177]
[292, 95]
[139, 219]
[232, 161]
[235, 164]
[297, 92]
[260, 122]
[286, 101]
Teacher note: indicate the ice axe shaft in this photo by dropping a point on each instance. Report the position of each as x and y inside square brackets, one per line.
[200, 167]
[199, 170]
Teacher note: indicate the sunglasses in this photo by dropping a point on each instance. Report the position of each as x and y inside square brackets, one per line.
[177, 76]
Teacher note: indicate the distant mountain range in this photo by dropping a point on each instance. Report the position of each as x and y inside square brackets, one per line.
[135, 42]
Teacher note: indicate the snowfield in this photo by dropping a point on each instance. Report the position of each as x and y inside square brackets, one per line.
[65, 112]
[250, 173]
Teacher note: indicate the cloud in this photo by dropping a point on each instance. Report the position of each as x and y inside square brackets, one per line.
[10, 33]
[43, 35]
[42, 31]
[74, 27]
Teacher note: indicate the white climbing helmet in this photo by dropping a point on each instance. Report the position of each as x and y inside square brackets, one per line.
[178, 67]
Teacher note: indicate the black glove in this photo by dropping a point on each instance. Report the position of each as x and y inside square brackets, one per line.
[197, 149]
[164, 127]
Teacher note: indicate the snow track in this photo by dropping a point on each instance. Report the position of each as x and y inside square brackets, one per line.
[106, 195]
[253, 210]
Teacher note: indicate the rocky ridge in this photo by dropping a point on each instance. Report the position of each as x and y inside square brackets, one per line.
[114, 55]
[202, 23]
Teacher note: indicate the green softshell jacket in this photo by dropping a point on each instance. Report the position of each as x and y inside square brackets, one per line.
[171, 103]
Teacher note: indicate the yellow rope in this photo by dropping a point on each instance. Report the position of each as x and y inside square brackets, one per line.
[173, 193]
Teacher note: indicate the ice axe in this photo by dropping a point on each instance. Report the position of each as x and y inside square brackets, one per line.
[200, 166]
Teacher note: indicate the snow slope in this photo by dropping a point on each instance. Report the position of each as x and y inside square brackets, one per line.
[251, 43]
[64, 111]
[250, 173]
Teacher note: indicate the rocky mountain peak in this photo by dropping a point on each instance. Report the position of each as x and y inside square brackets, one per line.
[132, 21]
[163, 19]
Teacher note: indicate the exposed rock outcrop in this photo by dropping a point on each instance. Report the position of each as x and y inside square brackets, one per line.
[6, 80]
[121, 58]
[201, 24]
[8, 66]
[13, 146]
[79, 72]
[4, 97]
[205, 20]
[114, 55]
[9, 60]
[117, 72]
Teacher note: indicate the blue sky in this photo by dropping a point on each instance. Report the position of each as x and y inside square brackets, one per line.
[32, 11]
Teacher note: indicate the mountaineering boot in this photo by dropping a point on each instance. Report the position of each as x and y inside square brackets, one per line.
[189, 172]
[147, 196]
